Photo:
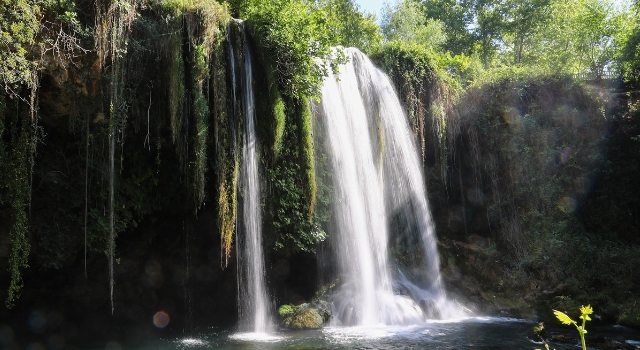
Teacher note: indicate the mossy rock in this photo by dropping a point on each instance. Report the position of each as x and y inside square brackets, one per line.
[304, 317]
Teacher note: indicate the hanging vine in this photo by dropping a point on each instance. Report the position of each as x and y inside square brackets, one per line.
[114, 23]
[204, 25]
[226, 138]
[15, 147]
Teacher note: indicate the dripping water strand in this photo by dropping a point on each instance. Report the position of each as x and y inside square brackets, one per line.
[147, 139]
[86, 192]
[112, 147]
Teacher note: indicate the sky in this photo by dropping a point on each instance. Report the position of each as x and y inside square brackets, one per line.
[373, 6]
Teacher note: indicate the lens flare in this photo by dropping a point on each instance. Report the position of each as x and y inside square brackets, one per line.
[161, 319]
[567, 204]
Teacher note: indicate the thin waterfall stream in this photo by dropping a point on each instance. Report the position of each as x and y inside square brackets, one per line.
[253, 299]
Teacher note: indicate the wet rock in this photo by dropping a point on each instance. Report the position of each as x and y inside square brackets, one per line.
[304, 316]
[632, 344]
[561, 338]
[430, 309]
[324, 309]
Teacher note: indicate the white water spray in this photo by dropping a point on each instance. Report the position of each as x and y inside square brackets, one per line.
[376, 172]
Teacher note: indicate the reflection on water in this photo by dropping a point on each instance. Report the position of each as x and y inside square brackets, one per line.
[477, 333]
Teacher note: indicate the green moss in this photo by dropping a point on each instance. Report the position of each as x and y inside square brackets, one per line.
[227, 213]
[288, 203]
[226, 163]
[308, 155]
[271, 108]
[279, 118]
[304, 317]
[176, 89]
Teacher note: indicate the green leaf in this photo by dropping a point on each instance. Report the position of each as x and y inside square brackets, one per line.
[563, 317]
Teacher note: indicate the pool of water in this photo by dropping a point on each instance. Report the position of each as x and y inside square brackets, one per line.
[471, 333]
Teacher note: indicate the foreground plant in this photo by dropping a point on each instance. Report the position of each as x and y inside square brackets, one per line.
[586, 311]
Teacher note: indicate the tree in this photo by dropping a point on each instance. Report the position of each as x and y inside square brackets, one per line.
[349, 26]
[19, 25]
[489, 27]
[404, 21]
[630, 60]
[571, 37]
[456, 17]
[524, 18]
[597, 23]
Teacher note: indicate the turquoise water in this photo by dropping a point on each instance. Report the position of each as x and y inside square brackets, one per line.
[472, 333]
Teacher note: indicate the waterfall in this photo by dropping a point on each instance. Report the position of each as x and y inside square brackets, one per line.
[377, 175]
[253, 302]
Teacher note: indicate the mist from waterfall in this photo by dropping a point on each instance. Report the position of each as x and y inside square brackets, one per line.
[377, 176]
[253, 299]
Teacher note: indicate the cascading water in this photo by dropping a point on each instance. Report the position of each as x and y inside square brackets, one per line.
[253, 302]
[376, 172]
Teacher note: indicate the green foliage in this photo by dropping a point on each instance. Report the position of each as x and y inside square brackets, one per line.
[288, 199]
[580, 37]
[279, 118]
[295, 35]
[270, 104]
[348, 26]
[176, 87]
[15, 191]
[27, 32]
[585, 312]
[205, 23]
[630, 60]
[226, 163]
[524, 19]
[456, 18]
[19, 25]
[308, 155]
[537, 329]
[286, 310]
[227, 208]
[197, 91]
[405, 22]
[507, 74]
[549, 172]
[536, 141]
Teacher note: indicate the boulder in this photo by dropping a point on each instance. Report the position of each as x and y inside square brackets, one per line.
[304, 317]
